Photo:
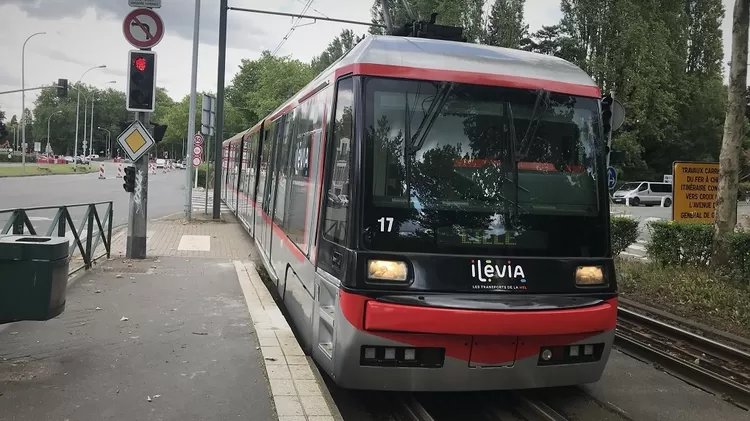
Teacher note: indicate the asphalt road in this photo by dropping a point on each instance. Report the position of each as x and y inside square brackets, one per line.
[166, 195]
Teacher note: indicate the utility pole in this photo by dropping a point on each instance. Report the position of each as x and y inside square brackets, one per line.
[191, 117]
[220, 108]
[138, 206]
[140, 98]
[387, 15]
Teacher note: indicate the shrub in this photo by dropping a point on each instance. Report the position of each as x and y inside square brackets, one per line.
[676, 243]
[623, 233]
[202, 176]
[740, 257]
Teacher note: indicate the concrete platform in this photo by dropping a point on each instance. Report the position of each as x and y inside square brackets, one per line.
[640, 391]
[171, 338]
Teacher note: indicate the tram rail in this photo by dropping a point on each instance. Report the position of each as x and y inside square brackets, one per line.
[709, 364]
[507, 406]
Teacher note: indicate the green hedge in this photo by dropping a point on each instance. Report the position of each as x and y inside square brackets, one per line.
[202, 176]
[623, 233]
[677, 244]
[690, 244]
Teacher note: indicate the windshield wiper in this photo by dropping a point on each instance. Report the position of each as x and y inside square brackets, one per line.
[513, 215]
[542, 96]
[441, 97]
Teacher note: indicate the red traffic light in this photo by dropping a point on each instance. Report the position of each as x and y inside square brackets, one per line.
[140, 64]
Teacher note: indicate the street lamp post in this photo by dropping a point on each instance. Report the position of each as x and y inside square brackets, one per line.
[85, 117]
[23, 102]
[48, 149]
[91, 134]
[109, 142]
[78, 107]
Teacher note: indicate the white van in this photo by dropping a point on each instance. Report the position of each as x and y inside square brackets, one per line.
[647, 193]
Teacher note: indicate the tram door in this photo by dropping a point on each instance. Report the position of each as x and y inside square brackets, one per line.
[277, 134]
[262, 222]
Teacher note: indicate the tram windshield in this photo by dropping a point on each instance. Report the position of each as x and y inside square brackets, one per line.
[468, 169]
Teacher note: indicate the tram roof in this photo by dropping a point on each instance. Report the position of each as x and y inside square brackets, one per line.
[517, 67]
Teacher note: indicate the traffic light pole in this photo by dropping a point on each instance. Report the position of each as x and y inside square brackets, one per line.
[138, 215]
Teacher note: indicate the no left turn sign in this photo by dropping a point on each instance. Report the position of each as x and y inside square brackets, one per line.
[143, 28]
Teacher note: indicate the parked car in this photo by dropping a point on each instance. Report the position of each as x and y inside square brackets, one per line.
[647, 193]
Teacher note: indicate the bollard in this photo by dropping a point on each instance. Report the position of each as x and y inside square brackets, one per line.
[119, 170]
[101, 172]
[153, 168]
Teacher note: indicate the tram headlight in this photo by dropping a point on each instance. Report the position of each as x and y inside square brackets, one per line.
[387, 270]
[589, 275]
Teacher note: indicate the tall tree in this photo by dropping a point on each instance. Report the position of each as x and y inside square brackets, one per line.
[3, 128]
[734, 132]
[505, 25]
[260, 86]
[466, 13]
[336, 49]
[550, 40]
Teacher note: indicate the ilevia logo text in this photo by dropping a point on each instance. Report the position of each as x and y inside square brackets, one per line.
[491, 275]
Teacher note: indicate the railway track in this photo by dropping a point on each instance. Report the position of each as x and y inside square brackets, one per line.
[713, 366]
[476, 407]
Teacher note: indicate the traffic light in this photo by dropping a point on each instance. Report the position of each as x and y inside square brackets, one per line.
[62, 88]
[607, 102]
[159, 131]
[129, 178]
[141, 89]
[3, 132]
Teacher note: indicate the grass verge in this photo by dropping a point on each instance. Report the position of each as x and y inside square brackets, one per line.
[691, 292]
[45, 169]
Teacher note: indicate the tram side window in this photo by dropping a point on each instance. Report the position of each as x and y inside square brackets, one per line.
[299, 185]
[265, 154]
[244, 171]
[336, 223]
[235, 173]
[251, 164]
[282, 167]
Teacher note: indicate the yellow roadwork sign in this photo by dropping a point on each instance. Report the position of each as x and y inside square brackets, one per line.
[136, 141]
[694, 188]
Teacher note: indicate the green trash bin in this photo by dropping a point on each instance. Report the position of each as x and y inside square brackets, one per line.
[33, 277]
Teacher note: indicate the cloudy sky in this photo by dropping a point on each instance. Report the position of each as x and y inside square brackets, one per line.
[85, 33]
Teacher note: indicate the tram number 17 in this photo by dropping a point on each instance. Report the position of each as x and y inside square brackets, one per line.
[386, 220]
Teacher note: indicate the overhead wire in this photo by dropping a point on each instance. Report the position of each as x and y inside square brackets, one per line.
[295, 24]
[315, 10]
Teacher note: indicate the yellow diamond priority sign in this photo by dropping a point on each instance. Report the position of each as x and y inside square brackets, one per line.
[136, 141]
